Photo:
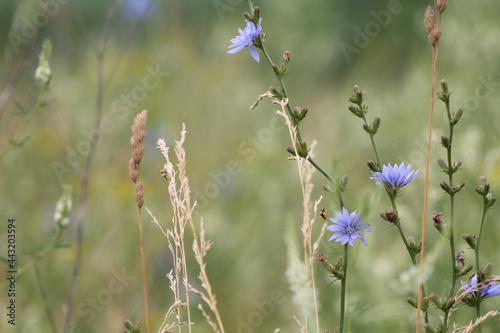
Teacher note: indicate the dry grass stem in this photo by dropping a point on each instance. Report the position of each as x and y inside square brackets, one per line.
[260, 98]
[432, 22]
[138, 134]
[180, 199]
[306, 171]
[469, 328]
[302, 329]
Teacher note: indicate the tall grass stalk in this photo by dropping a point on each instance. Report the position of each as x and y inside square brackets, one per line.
[433, 26]
[138, 134]
[183, 215]
[102, 80]
[305, 174]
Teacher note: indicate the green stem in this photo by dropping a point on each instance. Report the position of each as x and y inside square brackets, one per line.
[401, 232]
[294, 120]
[43, 293]
[36, 257]
[19, 135]
[343, 289]
[283, 88]
[452, 205]
[452, 215]
[452, 249]
[379, 165]
[321, 170]
[324, 173]
[410, 252]
[480, 232]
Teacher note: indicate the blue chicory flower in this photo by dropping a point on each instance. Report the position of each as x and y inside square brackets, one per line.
[488, 290]
[348, 228]
[246, 38]
[395, 177]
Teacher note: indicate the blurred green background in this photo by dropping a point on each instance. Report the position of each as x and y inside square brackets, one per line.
[245, 213]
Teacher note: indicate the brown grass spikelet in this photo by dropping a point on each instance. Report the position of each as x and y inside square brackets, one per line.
[434, 36]
[430, 19]
[138, 134]
[139, 193]
[442, 5]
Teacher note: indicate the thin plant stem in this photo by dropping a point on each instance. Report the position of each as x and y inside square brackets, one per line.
[203, 272]
[343, 288]
[36, 258]
[393, 203]
[452, 204]
[307, 225]
[21, 65]
[82, 207]
[19, 135]
[480, 232]
[421, 288]
[139, 219]
[394, 207]
[198, 253]
[327, 176]
[435, 52]
[452, 213]
[43, 293]
[296, 125]
[289, 108]
[283, 88]
[307, 247]
[185, 273]
[372, 139]
[311, 267]
[401, 232]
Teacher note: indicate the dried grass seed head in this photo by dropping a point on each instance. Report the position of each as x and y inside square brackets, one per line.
[442, 5]
[138, 134]
[434, 37]
[139, 194]
[133, 170]
[430, 20]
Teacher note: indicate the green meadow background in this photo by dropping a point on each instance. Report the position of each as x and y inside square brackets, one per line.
[248, 192]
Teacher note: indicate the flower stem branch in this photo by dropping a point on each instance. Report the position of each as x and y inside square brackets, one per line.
[19, 140]
[296, 124]
[401, 232]
[372, 139]
[39, 255]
